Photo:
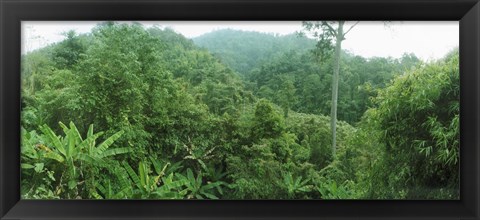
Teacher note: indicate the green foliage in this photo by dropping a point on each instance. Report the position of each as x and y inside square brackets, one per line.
[74, 161]
[330, 190]
[322, 30]
[180, 122]
[418, 119]
[267, 123]
[299, 82]
[195, 187]
[68, 52]
[295, 185]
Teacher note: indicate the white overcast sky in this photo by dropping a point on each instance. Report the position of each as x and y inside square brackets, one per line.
[427, 40]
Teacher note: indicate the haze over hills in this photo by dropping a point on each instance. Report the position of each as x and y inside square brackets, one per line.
[246, 50]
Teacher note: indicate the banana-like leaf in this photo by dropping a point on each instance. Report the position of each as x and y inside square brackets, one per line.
[64, 127]
[199, 181]
[72, 134]
[122, 177]
[77, 133]
[109, 141]
[89, 142]
[132, 174]
[143, 172]
[72, 184]
[210, 196]
[53, 138]
[26, 166]
[115, 151]
[88, 158]
[95, 195]
[211, 185]
[170, 184]
[39, 167]
[71, 143]
[157, 165]
[174, 167]
[123, 194]
[190, 176]
[54, 156]
[90, 130]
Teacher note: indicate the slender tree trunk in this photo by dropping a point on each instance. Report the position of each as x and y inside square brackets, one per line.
[336, 70]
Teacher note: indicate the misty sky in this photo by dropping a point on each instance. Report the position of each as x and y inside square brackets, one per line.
[427, 40]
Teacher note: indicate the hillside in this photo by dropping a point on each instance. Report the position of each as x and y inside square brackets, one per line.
[246, 50]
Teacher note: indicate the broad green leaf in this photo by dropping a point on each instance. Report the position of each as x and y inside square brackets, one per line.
[72, 184]
[190, 176]
[26, 166]
[115, 151]
[132, 174]
[88, 159]
[71, 144]
[54, 138]
[210, 196]
[143, 174]
[109, 141]
[89, 142]
[39, 167]
[76, 132]
[54, 156]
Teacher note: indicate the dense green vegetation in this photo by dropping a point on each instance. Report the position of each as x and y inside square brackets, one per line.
[129, 112]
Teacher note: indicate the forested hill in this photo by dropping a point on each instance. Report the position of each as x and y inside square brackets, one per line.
[246, 50]
[285, 70]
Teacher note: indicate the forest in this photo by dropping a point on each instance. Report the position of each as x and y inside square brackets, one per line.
[130, 112]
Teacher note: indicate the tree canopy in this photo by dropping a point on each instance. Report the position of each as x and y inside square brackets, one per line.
[129, 112]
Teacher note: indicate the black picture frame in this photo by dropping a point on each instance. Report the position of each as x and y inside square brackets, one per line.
[12, 12]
